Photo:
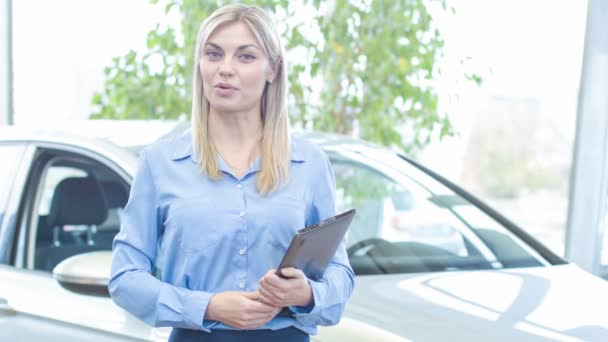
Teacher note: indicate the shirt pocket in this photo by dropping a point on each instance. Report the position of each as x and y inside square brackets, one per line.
[279, 242]
[282, 225]
[288, 214]
[276, 247]
[193, 223]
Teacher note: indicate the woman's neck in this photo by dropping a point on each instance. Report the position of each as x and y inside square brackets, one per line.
[236, 137]
[235, 130]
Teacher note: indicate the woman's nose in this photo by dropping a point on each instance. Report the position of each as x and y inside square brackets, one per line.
[225, 73]
[226, 68]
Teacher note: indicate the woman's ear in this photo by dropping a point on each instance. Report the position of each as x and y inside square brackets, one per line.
[273, 72]
[270, 77]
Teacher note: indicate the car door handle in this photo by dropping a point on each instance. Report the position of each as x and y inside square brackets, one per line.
[5, 309]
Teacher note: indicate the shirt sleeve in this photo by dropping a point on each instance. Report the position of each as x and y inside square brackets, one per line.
[330, 293]
[131, 285]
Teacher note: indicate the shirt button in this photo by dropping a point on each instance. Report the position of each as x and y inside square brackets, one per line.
[241, 285]
[242, 251]
[242, 213]
[239, 186]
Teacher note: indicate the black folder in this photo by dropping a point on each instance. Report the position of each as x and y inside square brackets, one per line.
[313, 247]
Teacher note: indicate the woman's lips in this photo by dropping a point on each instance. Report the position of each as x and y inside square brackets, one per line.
[225, 90]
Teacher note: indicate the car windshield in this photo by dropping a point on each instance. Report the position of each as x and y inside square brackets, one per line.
[409, 222]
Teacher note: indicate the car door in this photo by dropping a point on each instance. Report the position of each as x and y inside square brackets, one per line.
[11, 157]
[60, 217]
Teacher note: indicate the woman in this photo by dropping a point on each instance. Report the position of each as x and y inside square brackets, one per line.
[216, 208]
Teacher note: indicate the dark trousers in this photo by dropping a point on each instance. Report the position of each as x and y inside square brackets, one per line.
[290, 334]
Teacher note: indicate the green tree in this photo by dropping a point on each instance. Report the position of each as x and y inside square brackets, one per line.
[373, 59]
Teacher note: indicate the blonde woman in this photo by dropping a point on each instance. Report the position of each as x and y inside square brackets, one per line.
[216, 208]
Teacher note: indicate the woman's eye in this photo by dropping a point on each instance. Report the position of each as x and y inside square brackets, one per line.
[247, 57]
[213, 55]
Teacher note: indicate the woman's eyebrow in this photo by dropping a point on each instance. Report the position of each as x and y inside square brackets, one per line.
[242, 47]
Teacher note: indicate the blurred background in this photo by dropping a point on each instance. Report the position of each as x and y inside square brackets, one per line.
[483, 92]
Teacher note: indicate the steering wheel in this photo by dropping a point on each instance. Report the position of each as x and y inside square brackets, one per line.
[401, 256]
[372, 244]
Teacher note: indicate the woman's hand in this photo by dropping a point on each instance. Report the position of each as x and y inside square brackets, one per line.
[242, 310]
[280, 292]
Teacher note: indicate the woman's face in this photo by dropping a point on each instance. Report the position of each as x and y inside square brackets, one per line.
[234, 69]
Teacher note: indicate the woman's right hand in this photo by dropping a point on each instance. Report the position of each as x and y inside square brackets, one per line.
[241, 310]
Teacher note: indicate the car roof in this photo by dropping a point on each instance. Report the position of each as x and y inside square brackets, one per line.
[133, 134]
[117, 132]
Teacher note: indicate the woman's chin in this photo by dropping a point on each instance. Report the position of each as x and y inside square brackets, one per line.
[230, 106]
[223, 106]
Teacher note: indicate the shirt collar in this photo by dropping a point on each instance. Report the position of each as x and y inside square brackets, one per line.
[183, 148]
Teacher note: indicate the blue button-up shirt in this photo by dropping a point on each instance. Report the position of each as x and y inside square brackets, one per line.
[210, 236]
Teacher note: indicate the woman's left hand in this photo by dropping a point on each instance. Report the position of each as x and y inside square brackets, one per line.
[281, 292]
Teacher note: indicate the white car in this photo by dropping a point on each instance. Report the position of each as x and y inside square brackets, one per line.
[433, 263]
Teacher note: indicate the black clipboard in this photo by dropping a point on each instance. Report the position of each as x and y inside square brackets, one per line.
[313, 247]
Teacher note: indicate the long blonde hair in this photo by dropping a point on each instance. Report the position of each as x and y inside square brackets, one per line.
[275, 145]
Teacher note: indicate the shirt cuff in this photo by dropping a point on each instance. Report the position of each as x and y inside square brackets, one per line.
[195, 308]
[318, 290]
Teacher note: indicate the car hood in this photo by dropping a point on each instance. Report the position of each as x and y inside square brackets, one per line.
[552, 303]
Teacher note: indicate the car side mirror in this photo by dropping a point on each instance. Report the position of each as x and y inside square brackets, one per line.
[85, 273]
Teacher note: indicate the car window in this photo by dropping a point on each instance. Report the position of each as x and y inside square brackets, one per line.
[10, 156]
[78, 210]
[54, 175]
[404, 226]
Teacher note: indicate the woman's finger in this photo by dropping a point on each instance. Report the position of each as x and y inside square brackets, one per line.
[273, 283]
[268, 297]
[274, 280]
[292, 272]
